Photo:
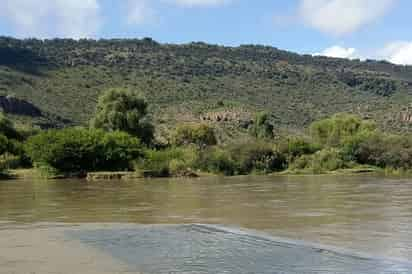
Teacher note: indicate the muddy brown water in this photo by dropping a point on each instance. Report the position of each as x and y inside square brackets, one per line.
[302, 224]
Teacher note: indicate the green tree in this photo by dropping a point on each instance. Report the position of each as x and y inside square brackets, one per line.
[124, 110]
[262, 127]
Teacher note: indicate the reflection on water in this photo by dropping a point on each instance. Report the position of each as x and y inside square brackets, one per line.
[362, 213]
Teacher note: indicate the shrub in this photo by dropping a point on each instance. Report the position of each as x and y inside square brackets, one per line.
[4, 144]
[384, 151]
[170, 161]
[81, 150]
[123, 110]
[262, 128]
[9, 161]
[119, 149]
[242, 159]
[216, 160]
[297, 146]
[13, 149]
[7, 128]
[196, 134]
[256, 157]
[333, 131]
[322, 161]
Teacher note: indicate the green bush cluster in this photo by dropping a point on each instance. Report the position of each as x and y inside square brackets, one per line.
[340, 142]
[173, 161]
[296, 146]
[262, 128]
[200, 135]
[242, 158]
[334, 131]
[12, 153]
[82, 150]
[383, 150]
[329, 159]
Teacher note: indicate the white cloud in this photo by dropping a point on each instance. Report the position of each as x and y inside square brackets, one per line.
[339, 52]
[198, 3]
[398, 52]
[52, 18]
[341, 17]
[139, 12]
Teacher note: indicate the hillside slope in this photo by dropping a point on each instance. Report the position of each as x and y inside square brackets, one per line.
[194, 82]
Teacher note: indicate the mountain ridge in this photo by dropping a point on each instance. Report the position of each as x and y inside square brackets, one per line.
[185, 82]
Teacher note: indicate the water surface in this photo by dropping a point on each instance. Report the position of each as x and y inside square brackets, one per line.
[360, 214]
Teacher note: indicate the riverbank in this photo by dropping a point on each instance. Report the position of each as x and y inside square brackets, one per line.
[135, 175]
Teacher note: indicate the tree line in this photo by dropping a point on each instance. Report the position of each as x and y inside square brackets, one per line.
[120, 137]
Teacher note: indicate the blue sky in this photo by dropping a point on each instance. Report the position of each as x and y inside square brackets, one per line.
[341, 28]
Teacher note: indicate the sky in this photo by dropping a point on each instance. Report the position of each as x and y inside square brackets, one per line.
[364, 29]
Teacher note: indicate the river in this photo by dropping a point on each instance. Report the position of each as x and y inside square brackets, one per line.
[296, 224]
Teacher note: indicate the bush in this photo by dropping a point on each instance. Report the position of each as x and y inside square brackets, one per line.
[7, 128]
[334, 131]
[200, 135]
[242, 159]
[216, 160]
[170, 161]
[384, 151]
[297, 146]
[262, 128]
[81, 150]
[13, 149]
[118, 150]
[9, 161]
[322, 161]
[256, 157]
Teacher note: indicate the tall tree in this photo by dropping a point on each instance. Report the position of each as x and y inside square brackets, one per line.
[262, 127]
[123, 110]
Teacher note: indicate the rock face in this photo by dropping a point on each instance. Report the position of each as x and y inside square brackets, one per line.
[19, 107]
[406, 117]
[227, 116]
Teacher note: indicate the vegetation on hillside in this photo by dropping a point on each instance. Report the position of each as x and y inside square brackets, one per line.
[342, 141]
[64, 78]
[77, 106]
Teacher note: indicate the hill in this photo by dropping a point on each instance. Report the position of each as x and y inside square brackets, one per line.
[55, 83]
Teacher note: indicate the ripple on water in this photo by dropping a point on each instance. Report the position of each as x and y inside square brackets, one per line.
[213, 249]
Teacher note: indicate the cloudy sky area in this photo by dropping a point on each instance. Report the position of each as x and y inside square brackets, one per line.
[377, 29]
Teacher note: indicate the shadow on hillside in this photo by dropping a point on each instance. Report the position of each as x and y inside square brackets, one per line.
[21, 59]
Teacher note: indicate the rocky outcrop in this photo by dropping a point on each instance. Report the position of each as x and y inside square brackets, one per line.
[231, 116]
[16, 106]
[406, 117]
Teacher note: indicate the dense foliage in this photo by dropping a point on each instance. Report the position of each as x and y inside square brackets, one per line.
[123, 110]
[343, 141]
[262, 128]
[172, 161]
[200, 135]
[242, 159]
[7, 128]
[82, 150]
[336, 130]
